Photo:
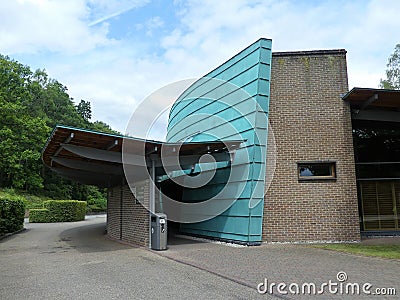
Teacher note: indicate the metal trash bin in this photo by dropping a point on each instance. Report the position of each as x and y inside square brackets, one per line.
[159, 232]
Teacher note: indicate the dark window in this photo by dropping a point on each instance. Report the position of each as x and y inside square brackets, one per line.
[316, 170]
[378, 170]
[376, 141]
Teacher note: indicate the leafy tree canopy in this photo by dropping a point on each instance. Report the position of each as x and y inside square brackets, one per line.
[392, 80]
[84, 110]
[31, 104]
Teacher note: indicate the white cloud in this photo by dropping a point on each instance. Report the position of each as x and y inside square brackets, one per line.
[153, 24]
[115, 75]
[114, 80]
[103, 10]
[212, 31]
[92, 65]
[33, 26]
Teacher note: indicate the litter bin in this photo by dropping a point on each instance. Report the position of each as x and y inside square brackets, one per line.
[159, 232]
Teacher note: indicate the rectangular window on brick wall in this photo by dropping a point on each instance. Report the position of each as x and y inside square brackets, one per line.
[316, 171]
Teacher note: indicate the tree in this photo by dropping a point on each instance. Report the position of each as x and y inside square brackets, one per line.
[21, 134]
[84, 110]
[31, 104]
[102, 127]
[392, 80]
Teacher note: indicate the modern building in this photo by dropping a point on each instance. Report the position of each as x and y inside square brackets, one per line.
[297, 156]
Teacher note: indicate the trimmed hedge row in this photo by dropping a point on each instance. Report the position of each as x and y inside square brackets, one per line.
[59, 211]
[39, 215]
[12, 212]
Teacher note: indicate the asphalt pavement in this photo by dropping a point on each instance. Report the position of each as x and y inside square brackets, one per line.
[77, 261]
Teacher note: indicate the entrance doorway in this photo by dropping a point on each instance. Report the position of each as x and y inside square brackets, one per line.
[377, 155]
[375, 117]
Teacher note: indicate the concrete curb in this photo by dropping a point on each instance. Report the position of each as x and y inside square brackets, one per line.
[7, 235]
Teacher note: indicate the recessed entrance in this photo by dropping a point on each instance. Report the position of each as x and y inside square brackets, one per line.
[376, 135]
[377, 146]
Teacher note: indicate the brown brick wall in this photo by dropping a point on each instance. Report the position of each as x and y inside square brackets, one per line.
[113, 213]
[311, 122]
[134, 228]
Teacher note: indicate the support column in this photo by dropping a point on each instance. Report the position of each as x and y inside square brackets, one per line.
[152, 195]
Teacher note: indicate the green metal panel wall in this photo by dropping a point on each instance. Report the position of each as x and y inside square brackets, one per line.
[205, 118]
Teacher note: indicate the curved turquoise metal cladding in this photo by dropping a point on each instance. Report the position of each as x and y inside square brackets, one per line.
[230, 103]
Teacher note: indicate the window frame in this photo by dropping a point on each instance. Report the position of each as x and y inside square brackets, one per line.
[332, 168]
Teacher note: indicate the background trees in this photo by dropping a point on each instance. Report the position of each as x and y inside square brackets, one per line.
[31, 104]
[392, 80]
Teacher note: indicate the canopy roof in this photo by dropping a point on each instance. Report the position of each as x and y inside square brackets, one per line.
[96, 158]
[362, 98]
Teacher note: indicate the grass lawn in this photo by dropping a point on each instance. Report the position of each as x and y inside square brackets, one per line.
[386, 251]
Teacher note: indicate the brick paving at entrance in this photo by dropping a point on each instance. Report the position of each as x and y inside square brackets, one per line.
[289, 263]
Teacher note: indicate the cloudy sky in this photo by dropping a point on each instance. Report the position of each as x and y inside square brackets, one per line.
[114, 53]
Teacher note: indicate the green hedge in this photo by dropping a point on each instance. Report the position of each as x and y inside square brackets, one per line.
[39, 215]
[12, 212]
[59, 211]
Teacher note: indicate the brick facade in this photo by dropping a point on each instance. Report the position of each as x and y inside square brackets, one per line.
[127, 219]
[311, 122]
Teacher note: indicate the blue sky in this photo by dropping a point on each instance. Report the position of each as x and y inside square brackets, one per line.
[114, 53]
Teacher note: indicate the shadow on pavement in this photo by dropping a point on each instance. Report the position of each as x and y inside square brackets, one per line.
[176, 240]
[90, 238]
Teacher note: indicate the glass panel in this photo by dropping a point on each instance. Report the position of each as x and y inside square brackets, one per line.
[385, 200]
[379, 205]
[376, 141]
[369, 206]
[378, 171]
[397, 197]
[316, 170]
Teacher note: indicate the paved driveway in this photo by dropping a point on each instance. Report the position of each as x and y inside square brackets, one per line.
[76, 261]
[289, 263]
